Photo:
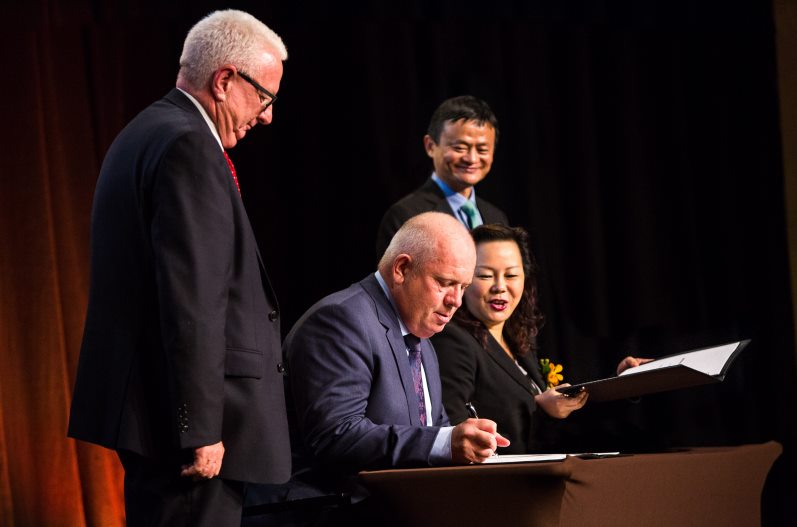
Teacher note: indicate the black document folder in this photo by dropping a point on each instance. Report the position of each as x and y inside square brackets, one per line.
[682, 370]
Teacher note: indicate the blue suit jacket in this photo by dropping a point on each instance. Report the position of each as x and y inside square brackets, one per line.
[352, 386]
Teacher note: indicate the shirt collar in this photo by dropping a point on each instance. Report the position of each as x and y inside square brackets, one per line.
[455, 198]
[204, 116]
[389, 296]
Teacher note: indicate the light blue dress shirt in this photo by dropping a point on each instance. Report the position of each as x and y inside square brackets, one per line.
[456, 200]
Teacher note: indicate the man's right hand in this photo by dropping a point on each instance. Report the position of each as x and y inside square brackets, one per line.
[207, 462]
[475, 440]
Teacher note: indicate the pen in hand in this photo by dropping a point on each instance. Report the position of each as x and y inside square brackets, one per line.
[472, 413]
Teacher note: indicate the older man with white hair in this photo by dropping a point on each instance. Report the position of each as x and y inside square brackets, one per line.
[180, 369]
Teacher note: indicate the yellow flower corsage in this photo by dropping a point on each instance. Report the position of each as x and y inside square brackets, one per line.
[551, 372]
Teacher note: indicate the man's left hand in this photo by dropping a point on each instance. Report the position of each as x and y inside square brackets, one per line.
[207, 462]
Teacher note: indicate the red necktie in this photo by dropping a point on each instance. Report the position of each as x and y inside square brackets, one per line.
[232, 169]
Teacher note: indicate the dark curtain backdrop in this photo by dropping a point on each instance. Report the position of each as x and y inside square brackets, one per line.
[639, 145]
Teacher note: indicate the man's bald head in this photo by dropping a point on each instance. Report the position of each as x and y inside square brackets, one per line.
[427, 266]
[428, 236]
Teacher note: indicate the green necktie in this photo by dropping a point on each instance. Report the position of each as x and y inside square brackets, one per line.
[471, 213]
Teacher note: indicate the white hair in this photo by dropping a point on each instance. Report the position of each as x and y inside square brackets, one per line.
[226, 37]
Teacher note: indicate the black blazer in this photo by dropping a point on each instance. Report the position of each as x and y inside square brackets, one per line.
[181, 346]
[426, 198]
[492, 382]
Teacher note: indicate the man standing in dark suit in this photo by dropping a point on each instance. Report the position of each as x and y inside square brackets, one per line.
[364, 377]
[179, 369]
[461, 140]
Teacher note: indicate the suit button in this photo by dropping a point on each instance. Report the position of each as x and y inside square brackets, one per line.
[273, 315]
[280, 367]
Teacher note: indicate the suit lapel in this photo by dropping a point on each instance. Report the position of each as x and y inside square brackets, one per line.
[436, 198]
[486, 212]
[499, 356]
[267, 288]
[388, 317]
[178, 98]
[532, 365]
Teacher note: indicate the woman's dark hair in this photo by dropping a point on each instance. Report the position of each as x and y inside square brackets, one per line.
[522, 327]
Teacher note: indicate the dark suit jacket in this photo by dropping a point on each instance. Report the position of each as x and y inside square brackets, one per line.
[181, 346]
[492, 382]
[352, 386]
[426, 198]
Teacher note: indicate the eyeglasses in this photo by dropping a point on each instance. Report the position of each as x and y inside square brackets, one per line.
[266, 97]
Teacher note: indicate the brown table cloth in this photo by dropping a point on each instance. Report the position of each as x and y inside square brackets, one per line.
[718, 486]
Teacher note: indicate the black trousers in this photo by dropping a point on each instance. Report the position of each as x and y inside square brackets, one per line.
[157, 496]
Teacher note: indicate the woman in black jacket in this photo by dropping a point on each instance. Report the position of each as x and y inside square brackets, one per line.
[488, 353]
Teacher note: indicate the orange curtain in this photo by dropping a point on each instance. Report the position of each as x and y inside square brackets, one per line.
[47, 173]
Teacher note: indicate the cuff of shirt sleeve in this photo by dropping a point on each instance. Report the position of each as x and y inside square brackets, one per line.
[441, 449]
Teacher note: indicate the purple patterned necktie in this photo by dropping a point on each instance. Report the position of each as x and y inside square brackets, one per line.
[414, 348]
